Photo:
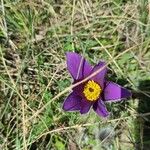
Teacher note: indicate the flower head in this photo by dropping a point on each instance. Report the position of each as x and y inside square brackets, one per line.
[95, 92]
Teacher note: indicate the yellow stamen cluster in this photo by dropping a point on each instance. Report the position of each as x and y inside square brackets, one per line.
[92, 90]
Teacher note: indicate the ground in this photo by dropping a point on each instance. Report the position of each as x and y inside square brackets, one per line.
[34, 81]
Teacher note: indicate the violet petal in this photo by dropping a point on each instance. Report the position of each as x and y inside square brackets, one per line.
[78, 67]
[72, 102]
[85, 106]
[100, 77]
[114, 92]
[100, 108]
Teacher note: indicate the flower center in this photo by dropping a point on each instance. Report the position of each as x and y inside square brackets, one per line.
[92, 90]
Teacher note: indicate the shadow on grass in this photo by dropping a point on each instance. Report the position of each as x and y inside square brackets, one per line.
[142, 122]
[143, 140]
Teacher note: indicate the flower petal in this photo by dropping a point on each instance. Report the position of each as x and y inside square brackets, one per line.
[85, 106]
[100, 108]
[114, 92]
[72, 102]
[78, 67]
[100, 77]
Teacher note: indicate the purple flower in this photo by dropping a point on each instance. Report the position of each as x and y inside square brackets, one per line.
[95, 91]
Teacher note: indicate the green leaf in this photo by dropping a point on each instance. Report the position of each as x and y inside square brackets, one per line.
[59, 145]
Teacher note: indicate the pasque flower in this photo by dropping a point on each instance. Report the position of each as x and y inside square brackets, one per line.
[94, 92]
